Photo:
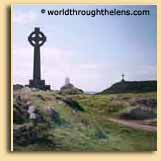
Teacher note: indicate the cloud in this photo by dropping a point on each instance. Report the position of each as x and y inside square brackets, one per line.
[59, 63]
[24, 17]
[90, 66]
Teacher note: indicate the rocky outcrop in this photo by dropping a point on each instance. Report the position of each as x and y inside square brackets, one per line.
[17, 86]
[73, 104]
[70, 89]
[139, 114]
[53, 114]
[28, 134]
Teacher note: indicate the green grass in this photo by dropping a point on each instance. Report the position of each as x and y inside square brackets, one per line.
[91, 130]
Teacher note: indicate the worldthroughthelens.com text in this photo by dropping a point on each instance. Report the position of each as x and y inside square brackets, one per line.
[94, 12]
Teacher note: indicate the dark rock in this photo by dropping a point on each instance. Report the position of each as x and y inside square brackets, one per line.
[24, 135]
[17, 86]
[149, 103]
[28, 134]
[139, 114]
[39, 118]
[41, 97]
[53, 114]
[73, 104]
[20, 114]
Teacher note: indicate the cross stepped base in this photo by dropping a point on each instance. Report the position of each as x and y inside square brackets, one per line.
[40, 84]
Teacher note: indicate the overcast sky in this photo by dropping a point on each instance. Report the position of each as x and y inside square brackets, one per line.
[92, 51]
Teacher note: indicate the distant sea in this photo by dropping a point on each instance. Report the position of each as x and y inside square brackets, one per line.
[90, 92]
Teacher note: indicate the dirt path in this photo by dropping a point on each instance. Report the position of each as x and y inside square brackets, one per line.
[134, 124]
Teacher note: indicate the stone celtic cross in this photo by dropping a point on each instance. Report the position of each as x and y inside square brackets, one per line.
[37, 39]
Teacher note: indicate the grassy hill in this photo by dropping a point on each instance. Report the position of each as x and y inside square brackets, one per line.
[132, 87]
[79, 122]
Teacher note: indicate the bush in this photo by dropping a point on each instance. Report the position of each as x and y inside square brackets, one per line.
[73, 104]
[30, 134]
[139, 114]
[116, 106]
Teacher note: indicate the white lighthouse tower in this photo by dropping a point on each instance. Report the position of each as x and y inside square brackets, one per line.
[67, 81]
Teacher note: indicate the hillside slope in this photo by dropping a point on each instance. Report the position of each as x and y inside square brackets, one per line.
[48, 121]
[131, 87]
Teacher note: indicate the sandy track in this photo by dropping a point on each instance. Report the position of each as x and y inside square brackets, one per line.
[134, 124]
